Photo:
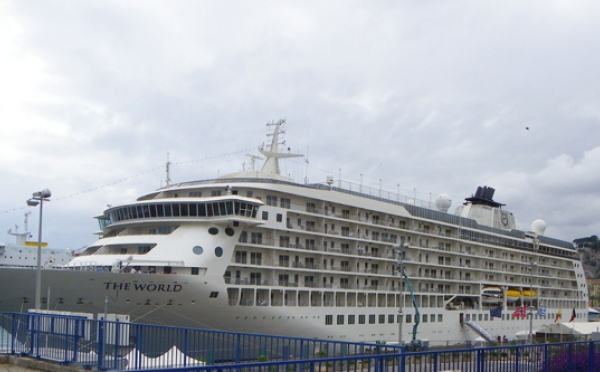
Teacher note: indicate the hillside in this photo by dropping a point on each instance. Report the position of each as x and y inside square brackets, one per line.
[589, 251]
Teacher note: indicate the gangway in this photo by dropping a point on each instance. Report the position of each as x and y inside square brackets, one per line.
[480, 330]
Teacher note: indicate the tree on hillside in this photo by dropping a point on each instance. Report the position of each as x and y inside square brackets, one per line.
[591, 242]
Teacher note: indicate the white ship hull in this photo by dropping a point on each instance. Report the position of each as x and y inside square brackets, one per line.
[255, 252]
[182, 301]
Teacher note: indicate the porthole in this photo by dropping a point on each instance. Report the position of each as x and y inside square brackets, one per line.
[229, 231]
[213, 231]
[218, 251]
[198, 250]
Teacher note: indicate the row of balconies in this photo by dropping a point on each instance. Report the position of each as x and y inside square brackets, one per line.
[381, 253]
[379, 270]
[283, 283]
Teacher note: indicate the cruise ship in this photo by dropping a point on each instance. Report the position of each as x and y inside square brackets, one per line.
[254, 251]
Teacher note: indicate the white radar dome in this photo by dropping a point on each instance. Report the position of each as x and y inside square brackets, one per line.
[538, 227]
[443, 202]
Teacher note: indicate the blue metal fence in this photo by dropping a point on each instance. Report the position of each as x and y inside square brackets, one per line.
[109, 345]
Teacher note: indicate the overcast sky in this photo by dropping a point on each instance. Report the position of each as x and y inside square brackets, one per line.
[435, 96]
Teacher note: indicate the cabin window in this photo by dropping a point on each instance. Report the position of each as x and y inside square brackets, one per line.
[284, 279]
[328, 319]
[372, 319]
[285, 203]
[255, 278]
[271, 200]
[195, 270]
[279, 217]
[256, 258]
[340, 319]
[265, 215]
[284, 241]
[351, 319]
[240, 257]
[361, 319]
[256, 238]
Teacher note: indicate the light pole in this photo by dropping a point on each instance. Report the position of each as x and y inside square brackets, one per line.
[38, 198]
[532, 264]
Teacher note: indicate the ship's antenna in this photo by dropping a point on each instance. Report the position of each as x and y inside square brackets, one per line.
[168, 170]
[253, 159]
[25, 222]
[273, 151]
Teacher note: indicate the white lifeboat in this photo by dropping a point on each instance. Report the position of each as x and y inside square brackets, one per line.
[491, 295]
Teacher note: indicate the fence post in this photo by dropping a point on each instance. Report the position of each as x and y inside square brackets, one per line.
[480, 360]
[100, 344]
[591, 356]
[570, 355]
[546, 365]
[15, 332]
[402, 359]
[76, 339]
[238, 348]
[31, 327]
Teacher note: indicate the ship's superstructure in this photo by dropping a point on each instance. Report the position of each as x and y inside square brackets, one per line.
[254, 251]
[23, 252]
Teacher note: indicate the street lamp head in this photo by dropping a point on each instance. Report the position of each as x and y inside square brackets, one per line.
[32, 203]
[44, 194]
